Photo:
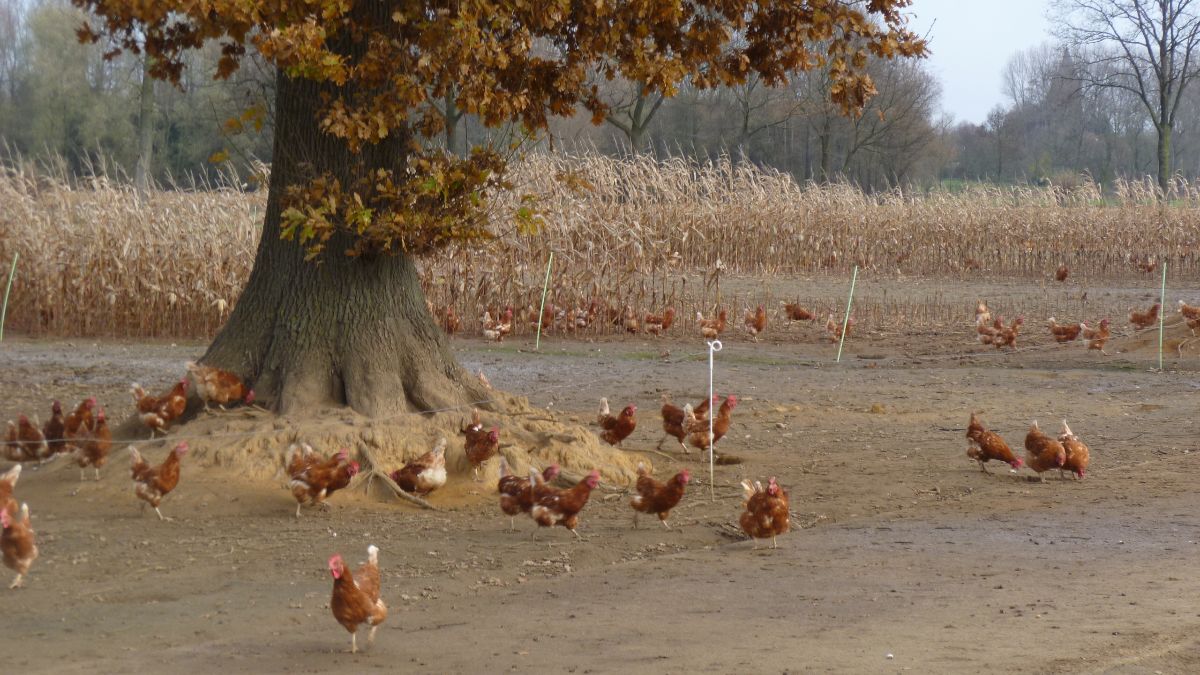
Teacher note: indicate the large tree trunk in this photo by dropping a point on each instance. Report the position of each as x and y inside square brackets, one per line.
[338, 330]
[1164, 158]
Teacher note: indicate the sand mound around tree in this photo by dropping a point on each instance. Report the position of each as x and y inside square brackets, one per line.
[252, 442]
[1177, 339]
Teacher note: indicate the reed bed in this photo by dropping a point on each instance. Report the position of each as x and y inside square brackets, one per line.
[100, 259]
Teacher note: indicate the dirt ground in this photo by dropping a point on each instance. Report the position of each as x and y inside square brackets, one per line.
[905, 557]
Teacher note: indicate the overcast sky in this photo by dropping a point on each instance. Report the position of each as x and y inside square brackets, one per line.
[969, 43]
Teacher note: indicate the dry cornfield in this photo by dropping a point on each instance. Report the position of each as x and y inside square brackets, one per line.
[98, 259]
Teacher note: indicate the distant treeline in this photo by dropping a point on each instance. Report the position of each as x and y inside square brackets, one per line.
[60, 98]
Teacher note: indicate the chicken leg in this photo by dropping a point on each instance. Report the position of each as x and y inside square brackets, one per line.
[354, 642]
[371, 636]
[161, 516]
[16, 582]
[664, 523]
[97, 473]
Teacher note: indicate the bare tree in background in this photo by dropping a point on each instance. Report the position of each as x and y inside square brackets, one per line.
[1155, 55]
[11, 30]
[631, 110]
[759, 107]
[141, 174]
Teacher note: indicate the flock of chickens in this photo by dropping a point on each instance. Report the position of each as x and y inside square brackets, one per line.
[995, 332]
[84, 437]
[1042, 453]
[496, 324]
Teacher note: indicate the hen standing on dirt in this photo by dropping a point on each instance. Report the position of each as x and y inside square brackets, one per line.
[8, 483]
[314, 479]
[151, 483]
[655, 497]
[479, 445]
[766, 511]
[17, 543]
[425, 473]
[616, 428]
[562, 507]
[92, 447]
[516, 493]
[987, 445]
[355, 599]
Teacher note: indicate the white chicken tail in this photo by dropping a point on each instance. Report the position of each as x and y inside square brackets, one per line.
[1066, 430]
[135, 457]
[11, 475]
[641, 469]
[373, 555]
[748, 490]
[604, 409]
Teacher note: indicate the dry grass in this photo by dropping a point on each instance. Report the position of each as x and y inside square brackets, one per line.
[98, 259]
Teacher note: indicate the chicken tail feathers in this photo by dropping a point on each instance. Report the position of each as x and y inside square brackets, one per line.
[373, 555]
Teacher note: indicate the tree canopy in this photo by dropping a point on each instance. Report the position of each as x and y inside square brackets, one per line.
[382, 67]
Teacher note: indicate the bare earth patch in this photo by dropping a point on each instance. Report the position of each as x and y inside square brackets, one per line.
[906, 548]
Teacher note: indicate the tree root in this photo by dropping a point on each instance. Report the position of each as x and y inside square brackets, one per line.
[373, 473]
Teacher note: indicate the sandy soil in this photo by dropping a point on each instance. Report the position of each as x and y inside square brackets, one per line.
[906, 548]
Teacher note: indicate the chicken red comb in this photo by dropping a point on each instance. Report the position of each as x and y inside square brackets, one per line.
[685, 475]
[182, 448]
[5, 519]
[249, 397]
[336, 565]
[353, 469]
[22, 419]
[90, 402]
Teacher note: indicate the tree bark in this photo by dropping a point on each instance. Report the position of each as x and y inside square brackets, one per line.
[453, 115]
[141, 173]
[1164, 158]
[336, 331]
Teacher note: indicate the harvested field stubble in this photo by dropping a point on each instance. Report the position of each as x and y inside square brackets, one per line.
[97, 258]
